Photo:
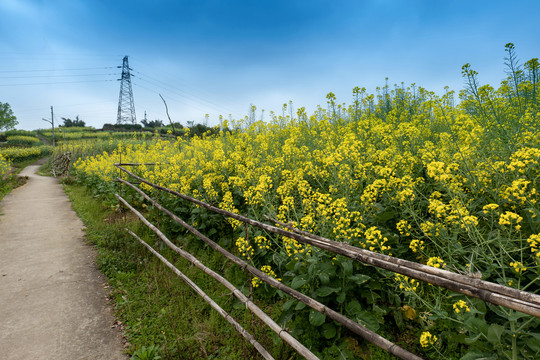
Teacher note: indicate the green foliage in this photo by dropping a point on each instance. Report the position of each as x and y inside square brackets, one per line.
[9, 183]
[7, 119]
[402, 172]
[22, 140]
[155, 306]
[73, 123]
[146, 353]
[21, 154]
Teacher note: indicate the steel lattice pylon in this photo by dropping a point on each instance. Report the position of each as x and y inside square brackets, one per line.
[126, 105]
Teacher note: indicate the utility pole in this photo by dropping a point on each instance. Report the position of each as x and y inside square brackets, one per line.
[52, 123]
[126, 105]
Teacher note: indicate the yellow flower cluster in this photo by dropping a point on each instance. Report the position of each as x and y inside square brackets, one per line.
[295, 249]
[262, 242]
[461, 305]
[453, 214]
[227, 203]
[267, 269]
[430, 229]
[416, 245]
[25, 153]
[519, 192]
[446, 174]
[405, 283]
[404, 227]
[510, 219]
[348, 178]
[375, 241]
[427, 339]
[244, 248]
[436, 262]
[524, 159]
[534, 243]
[489, 208]
[5, 166]
[22, 139]
[518, 267]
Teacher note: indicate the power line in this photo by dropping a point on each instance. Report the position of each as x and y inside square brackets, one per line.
[43, 70]
[201, 92]
[55, 83]
[171, 98]
[50, 76]
[186, 95]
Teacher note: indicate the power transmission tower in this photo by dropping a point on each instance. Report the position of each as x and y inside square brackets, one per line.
[126, 105]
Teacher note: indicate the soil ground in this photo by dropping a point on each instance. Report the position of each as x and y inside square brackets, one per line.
[53, 304]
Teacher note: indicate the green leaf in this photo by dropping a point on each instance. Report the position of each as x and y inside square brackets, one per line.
[472, 340]
[291, 264]
[327, 268]
[369, 320]
[359, 279]
[353, 308]
[316, 318]
[516, 316]
[477, 325]
[477, 355]
[341, 297]
[347, 267]
[534, 342]
[378, 310]
[298, 282]
[326, 290]
[299, 306]
[494, 333]
[328, 331]
[325, 279]
[385, 216]
[288, 304]
[311, 269]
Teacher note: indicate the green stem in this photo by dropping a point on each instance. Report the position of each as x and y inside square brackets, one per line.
[514, 339]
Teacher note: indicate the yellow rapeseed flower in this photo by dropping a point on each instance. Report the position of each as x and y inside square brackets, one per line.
[427, 339]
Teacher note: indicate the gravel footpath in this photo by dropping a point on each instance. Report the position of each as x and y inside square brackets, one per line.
[52, 300]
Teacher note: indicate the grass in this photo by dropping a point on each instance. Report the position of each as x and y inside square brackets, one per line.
[154, 305]
[12, 181]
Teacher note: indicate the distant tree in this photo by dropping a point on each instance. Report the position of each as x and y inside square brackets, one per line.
[8, 120]
[67, 122]
[73, 123]
[152, 124]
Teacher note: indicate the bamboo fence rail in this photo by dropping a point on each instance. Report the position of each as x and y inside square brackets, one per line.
[288, 338]
[515, 299]
[209, 300]
[353, 326]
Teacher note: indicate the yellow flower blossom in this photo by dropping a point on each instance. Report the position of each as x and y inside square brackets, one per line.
[518, 267]
[416, 245]
[534, 243]
[436, 262]
[427, 339]
[510, 219]
[461, 305]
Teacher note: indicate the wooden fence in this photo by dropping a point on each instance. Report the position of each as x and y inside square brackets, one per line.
[490, 292]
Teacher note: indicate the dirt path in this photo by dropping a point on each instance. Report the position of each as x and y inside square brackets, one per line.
[52, 302]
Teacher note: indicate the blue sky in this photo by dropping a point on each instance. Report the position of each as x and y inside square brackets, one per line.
[218, 57]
